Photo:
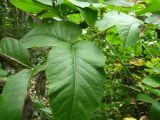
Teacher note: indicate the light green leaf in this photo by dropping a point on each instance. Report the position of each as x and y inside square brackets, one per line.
[13, 96]
[152, 81]
[28, 5]
[75, 80]
[128, 26]
[14, 50]
[48, 34]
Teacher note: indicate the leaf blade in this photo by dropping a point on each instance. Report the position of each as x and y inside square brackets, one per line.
[76, 81]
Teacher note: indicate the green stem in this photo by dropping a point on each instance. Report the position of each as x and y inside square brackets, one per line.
[146, 49]
[118, 84]
[125, 67]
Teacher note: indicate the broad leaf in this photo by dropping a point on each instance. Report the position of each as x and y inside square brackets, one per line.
[48, 34]
[28, 5]
[75, 80]
[128, 26]
[13, 96]
[14, 50]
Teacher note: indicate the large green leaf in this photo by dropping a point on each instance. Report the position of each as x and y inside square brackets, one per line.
[75, 80]
[14, 50]
[48, 34]
[128, 26]
[28, 5]
[13, 96]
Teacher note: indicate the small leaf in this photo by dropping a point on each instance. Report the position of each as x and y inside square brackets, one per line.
[48, 34]
[38, 69]
[152, 81]
[89, 15]
[14, 50]
[13, 96]
[145, 98]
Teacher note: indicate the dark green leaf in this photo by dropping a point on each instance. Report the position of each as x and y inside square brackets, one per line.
[75, 76]
[89, 15]
[13, 96]
[28, 5]
[48, 34]
[155, 111]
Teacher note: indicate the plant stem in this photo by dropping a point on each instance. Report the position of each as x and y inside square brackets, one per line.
[125, 67]
[118, 84]
[146, 49]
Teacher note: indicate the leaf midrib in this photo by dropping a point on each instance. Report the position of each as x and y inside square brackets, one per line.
[74, 78]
